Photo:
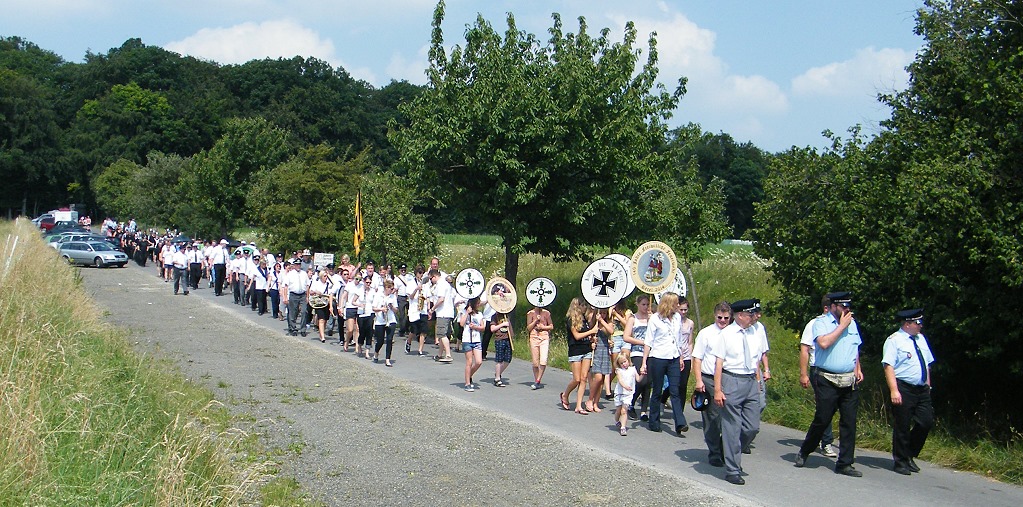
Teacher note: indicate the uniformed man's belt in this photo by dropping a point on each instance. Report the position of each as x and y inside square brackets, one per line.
[744, 375]
[298, 293]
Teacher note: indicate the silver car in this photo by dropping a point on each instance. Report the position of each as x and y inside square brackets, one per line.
[94, 253]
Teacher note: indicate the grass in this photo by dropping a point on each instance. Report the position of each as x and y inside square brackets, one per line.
[729, 273]
[86, 420]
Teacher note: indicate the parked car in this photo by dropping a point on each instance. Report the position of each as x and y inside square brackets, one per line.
[94, 253]
[67, 226]
[59, 239]
[46, 222]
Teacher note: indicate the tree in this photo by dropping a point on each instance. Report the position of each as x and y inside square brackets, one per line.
[219, 183]
[541, 142]
[929, 213]
[394, 232]
[114, 188]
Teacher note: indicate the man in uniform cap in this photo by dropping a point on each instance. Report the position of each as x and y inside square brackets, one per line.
[906, 359]
[736, 351]
[837, 338]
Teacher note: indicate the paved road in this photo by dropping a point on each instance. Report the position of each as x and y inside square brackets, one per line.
[367, 434]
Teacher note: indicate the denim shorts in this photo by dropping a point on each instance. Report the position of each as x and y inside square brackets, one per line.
[576, 359]
[618, 344]
[470, 346]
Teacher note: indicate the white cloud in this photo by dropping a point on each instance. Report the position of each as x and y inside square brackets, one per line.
[413, 71]
[870, 71]
[248, 41]
[685, 49]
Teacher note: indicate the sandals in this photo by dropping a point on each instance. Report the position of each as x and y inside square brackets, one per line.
[582, 411]
[592, 408]
[564, 403]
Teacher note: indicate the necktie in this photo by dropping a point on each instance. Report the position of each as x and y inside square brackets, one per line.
[745, 352]
[920, 357]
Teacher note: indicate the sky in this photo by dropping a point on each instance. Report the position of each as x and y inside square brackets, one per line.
[776, 73]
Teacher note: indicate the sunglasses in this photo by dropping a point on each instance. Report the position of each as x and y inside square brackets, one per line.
[918, 322]
[722, 317]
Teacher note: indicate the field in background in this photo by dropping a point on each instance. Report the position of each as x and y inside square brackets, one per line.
[729, 273]
[88, 421]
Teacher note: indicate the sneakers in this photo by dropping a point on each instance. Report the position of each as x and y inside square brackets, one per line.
[499, 382]
[533, 386]
[800, 460]
[623, 431]
[469, 388]
[828, 451]
[408, 347]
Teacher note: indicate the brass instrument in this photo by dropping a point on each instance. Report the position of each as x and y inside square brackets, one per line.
[318, 301]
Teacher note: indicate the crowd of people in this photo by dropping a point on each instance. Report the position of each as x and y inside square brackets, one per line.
[639, 359]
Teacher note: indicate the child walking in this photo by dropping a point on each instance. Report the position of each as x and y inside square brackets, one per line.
[627, 377]
[501, 327]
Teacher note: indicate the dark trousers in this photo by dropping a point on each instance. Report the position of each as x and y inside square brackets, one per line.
[259, 300]
[220, 273]
[180, 279]
[384, 336]
[194, 272]
[908, 438]
[485, 338]
[829, 435]
[236, 289]
[402, 315]
[275, 303]
[683, 388]
[830, 398]
[365, 331]
[657, 368]
[712, 421]
[642, 394]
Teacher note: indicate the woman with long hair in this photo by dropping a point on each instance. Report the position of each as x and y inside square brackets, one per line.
[601, 366]
[661, 357]
[472, 324]
[318, 289]
[582, 335]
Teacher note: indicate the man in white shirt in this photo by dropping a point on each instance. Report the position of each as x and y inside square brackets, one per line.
[703, 366]
[179, 260]
[296, 283]
[218, 259]
[737, 350]
[444, 312]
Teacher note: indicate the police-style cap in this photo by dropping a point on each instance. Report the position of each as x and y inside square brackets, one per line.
[910, 314]
[840, 298]
[746, 305]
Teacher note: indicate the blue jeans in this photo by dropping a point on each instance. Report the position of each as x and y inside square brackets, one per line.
[657, 368]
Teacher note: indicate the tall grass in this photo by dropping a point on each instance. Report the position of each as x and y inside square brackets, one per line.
[86, 421]
[729, 273]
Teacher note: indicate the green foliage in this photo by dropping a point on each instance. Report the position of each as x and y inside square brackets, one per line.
[540, 141]
[114, 187]
[394, 232]
[929, 213]
[221, 177]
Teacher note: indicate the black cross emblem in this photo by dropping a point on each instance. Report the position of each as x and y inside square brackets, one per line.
[541, 292]
[604, 283]
[469, 282]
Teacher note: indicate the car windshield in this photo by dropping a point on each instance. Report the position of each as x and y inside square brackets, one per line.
[101, 246]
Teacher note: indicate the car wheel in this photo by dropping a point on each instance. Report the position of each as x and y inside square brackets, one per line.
[67, 259]
[98, 262]
[122, 264]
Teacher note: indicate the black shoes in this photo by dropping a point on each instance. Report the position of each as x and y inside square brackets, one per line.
[911, 465]
[682, 428]
[848, 471]
[735, 479]
[716, 462]
[901, 470]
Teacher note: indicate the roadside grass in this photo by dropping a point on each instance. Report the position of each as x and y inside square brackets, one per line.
[729, 273]
[88, 421]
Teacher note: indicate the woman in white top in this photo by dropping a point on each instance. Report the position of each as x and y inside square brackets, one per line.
[258, 284]
[353, 291]
[319, 288]
[661, 357]
[472, 324]
[365, 305]
[385, 306]
[634, 335]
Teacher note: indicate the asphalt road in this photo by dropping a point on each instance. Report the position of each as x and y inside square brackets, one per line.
[354, 432]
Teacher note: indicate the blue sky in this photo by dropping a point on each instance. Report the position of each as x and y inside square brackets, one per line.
[774, 72]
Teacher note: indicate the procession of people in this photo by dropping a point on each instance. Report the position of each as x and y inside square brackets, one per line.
[639, 357]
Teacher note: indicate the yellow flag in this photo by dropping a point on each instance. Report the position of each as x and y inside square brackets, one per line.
[360, 233]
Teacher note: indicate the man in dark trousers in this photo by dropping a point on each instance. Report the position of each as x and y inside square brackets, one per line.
[906, 359]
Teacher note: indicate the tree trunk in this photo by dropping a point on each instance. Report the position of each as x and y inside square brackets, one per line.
[511, 264]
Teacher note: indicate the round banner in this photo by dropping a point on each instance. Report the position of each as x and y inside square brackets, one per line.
[627, 264]
[604, 283]
[501, 295]
[653, 267]
[469, 283]
[679, 287]
[541, 292]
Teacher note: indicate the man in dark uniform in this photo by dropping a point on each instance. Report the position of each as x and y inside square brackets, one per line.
[906, 359]
[837, 338]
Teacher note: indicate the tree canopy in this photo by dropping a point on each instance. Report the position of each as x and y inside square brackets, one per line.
[549, 144]
[928, 213]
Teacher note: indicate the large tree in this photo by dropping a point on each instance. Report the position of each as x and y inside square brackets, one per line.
[928, 213]
[543, 142]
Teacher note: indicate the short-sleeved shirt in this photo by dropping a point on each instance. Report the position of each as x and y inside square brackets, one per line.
[728, 346]
[808, 339]
[900, 354]
[841, 356]
[446, 309]
[701, 348]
